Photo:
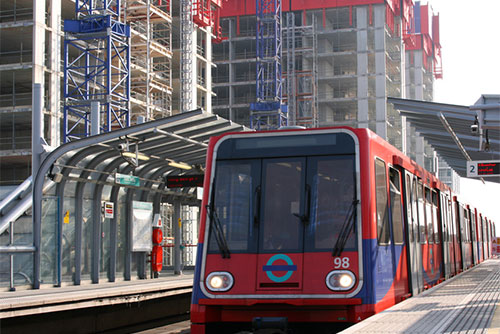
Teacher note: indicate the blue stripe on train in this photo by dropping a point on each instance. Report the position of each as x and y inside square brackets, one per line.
[197, 293]
[379, 271]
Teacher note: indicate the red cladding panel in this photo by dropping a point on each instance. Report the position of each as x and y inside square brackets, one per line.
[308, 4]
[424, 19]
[237, 8]
[435, 30]
[247, 7]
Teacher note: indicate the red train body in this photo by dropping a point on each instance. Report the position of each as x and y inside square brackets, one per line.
[319, 226]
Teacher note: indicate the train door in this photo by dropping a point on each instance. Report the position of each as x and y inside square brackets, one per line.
[473, 235]
[445, 235]
[488, 226]
[485, 238]
[479, 223]
[281, 229]
[457, 236]
[306, 205]
[412, 229]
[465, 236]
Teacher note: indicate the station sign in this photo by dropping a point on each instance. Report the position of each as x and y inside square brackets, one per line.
[109, 210]
[483, 168]
[185, 181]
[127, 180]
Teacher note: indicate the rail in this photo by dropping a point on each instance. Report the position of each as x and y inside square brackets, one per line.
[16, 14]
[10, 212]
[15, 194]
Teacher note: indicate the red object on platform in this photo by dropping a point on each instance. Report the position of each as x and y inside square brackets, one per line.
[157, 236]
[157, 258]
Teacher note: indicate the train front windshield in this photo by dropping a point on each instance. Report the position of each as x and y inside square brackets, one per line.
[284, 193]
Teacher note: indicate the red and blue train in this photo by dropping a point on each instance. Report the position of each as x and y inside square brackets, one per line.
[311, 227]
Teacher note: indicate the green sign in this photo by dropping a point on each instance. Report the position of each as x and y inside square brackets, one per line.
[127, 180]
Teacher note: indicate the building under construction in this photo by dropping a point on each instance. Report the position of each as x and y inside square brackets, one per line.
[158, 66]
[107, 64]
[340, 61]
[102, 66]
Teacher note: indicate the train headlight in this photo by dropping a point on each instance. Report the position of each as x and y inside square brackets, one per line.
[340, 280]
[220, 281]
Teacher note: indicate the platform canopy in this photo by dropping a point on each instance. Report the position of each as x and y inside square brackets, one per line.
[120, 167]
[447, 128]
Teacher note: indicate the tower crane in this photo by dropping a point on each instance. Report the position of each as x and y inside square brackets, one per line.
[268, 112]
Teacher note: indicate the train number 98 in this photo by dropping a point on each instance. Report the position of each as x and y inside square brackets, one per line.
[341, 262]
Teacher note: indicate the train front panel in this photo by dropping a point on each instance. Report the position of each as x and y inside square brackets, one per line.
[303, 225]
[281, 231]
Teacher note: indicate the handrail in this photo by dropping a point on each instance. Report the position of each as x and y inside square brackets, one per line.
[13, 195]
[20, 208]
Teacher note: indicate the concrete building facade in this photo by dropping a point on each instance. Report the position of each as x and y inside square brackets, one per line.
[365, 51]
[31, 51]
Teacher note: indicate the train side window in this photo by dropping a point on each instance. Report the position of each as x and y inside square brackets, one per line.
[409, 210]
[465, 223]
[396, 213]
[473, 225]
[479, 229]
[421, 215]
[383, 233]
[444, 223]
[428, 215]
[446, 216]
[435, 216]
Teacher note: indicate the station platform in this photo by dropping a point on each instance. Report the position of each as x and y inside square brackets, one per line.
[99, 307]
[466, 303]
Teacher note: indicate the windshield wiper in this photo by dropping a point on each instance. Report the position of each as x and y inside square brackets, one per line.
[345, 231]
[220, 238]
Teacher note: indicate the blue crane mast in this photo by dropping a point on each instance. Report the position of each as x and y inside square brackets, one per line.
[96, 69]
[268, 112]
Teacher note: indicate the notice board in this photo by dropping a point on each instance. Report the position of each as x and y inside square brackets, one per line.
[142, 226]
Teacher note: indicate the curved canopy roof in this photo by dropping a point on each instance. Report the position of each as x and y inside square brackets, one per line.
[150, 151]
[447, 128]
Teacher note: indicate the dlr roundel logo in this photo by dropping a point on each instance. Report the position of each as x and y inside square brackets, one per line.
[270, 268]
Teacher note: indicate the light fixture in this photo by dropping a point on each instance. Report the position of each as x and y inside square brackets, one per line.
[135, 155]
[131, 156]
[340, 280]
[220, 281]
[180, 165]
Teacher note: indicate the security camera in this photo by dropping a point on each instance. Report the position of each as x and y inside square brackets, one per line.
[122, 146]
[474, 129]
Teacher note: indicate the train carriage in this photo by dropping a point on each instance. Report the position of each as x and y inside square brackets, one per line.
[314, 227]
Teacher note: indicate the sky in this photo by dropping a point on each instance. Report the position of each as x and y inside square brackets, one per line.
[470, 41]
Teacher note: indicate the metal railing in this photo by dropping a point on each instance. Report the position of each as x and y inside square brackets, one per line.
[17, 99]
[15, 143]
[16, 14]
[9, 213]
[16, 57]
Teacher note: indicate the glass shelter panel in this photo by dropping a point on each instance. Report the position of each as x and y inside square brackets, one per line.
[48, 243]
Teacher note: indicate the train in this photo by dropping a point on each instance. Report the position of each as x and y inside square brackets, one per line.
[302, 229]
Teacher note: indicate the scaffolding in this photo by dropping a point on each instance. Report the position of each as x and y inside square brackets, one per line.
[301, 74]
[187, 29]
[268, 112]
[189, 216]
[96, 69]
[151, 57]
